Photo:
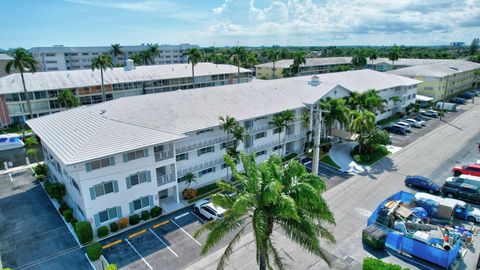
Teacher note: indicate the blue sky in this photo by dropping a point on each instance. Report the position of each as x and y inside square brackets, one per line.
[29, 23]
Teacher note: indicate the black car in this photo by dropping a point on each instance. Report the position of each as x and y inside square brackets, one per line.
[396, 130]
[457, 100]
[462, 191]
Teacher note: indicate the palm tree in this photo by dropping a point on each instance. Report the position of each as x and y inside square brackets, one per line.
[251, 59]
[359, 60]
[137, 58]
[372, 101]
[394, 54]
[273, 55]
[68, 100]
[267, 196]
[335, 110]
[194, 56]
[288, 116]
[299, 58]
[238, 133]
[145, 56]
[116, 51]
[23, 61]
[238, 55]
[189, 178]
[361, 122]
[278, 123]
[102, 62]
[395, 99]
[355, 100]
[306, 125]
[373, 56]
[227, 124]
[153, 51]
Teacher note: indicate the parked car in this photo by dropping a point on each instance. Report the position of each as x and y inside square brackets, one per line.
[421, 118]
[472, 169]
[457, 100]
[396, 130]
[477, 93]
[423, 183]
[413, 122]
[403, 125]
[466, 95]
[429, 113]
[422, 123]
[462, 191]
[465, 179]
[207, 209]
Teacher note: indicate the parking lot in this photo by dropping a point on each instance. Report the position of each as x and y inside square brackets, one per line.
[166, 243]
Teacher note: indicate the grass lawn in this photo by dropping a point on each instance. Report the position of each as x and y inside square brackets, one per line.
[327, 160]
[370, 158]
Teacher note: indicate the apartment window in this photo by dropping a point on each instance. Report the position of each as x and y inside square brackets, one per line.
[107, 214]
[204, 131]
[138, 178]
[103, 189]
[260, 118]
[100, 163]
[225, 144]
[79, 210]
[206, 171]
[49, 54]
[277, 130]
[40, 95]
[51, 62]
[206, 150]
[260, 135]
[135, 155]
[248, 124]
[75, 184]
[261, 153]
[84, 53]
[183, 156]
[276, 147]
[140, 203]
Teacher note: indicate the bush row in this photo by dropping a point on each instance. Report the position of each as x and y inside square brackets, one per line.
[55, 190]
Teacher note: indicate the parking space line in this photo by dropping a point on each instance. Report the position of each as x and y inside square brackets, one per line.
[199, 218]
[112, 244]
[182, 215]
[138, 253]
[187, 233]
[11, 178]
[137, 234]
[160, 224]
[158, 237]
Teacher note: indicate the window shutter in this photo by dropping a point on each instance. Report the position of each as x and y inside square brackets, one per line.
[92, 193]
[131, 208]
[150, 200]
[145, 152]
[129, 184]
[88, 166]
[119, 211]
[125, 157]
[112, 161]
[115, 186]
[97, 220]
[149, 177]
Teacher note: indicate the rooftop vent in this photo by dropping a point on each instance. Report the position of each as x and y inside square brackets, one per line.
[129, 65]
[315, 80]
[102, 112]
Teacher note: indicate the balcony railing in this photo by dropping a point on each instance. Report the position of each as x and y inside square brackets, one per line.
[165, 179]
[200, 167]
[255, 149]
[201, 144]
[253, 130]
[294, 136]
[159, 156]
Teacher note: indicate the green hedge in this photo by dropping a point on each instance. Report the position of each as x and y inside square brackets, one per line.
[114, 226]
[68, 215]
[133, 219]
[102, 231]
[145, 215]
[84, 231]
[379, 152]
[94, 251]
[377, 264]
[155, 212]
[55, 190]
[206, 189]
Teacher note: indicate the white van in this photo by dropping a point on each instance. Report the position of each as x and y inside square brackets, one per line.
[465, 179]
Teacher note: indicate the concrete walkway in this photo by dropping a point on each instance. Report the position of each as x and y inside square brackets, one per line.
[340, 154]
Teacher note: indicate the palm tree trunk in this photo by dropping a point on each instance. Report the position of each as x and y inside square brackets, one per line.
[262, 265]
[27, 97]
[284, 141]
[226, 150]
[238, 69]
[279, 142]
[104, 98]
[193, 75]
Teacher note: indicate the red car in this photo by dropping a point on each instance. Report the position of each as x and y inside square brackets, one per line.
[472, 169]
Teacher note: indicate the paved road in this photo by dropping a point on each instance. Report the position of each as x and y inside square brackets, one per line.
[352, 201]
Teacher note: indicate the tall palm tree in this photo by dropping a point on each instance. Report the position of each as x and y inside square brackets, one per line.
[299, 58]
[238, 133]
[355, 100]
[394, 54]
[153, 51]
[189, 178]
[358, 60]
[373, 56]
[23, 61]
[273, 55]
[238, 55]
[251, 59]
[116, 51]
[288, 116]
[145, 56]
[266, 197]
[362, 122]
[372, 101]
[227, 124]
[278, 123]
[102, 62]
[306, 125]
[68, 100]
[335, 110]
[194, 56]
[137, 59]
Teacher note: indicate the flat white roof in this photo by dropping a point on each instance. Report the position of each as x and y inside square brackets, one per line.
[439, 69]
[5, 57]
[124, 124]
[423, 98]
[286, 63]
[52, 80]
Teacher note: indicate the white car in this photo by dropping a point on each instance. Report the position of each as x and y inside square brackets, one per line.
[403, 124]
[207, 209]
[413, 122]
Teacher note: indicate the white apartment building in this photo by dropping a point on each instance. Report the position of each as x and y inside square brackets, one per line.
[44, 87]
[130, 154]
[74, 58]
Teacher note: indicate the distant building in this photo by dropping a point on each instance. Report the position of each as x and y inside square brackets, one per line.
[457, 44]
[441, 79]
[44, 87]
[74, 58]
[4, 58]
[385, 64]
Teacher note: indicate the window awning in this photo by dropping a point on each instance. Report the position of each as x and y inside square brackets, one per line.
[344, 134]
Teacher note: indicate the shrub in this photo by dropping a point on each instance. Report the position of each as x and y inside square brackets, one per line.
[155, 212]
[84, 231]
[68, 215]
[55, 190]
[40, 170]
[189, 193]
[63, 206]
[377, 264]
[111, 266]
[102, 231]
[133, 219]
[122, 223]
[145, 215]
[94, 251]
[73, 222]
[113, 226]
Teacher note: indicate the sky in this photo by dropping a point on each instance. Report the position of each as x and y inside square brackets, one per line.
[32, 23]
